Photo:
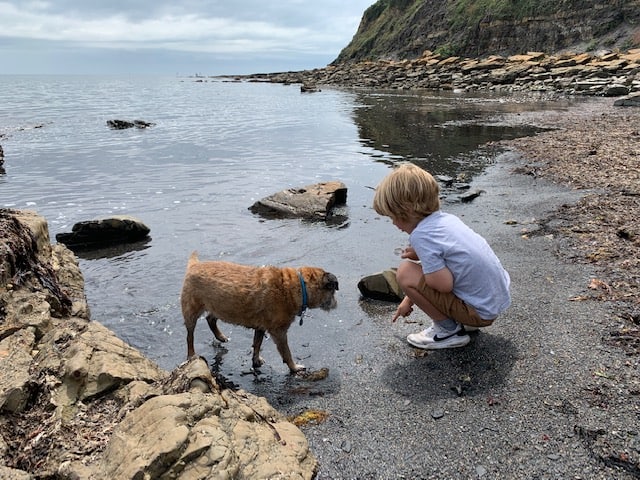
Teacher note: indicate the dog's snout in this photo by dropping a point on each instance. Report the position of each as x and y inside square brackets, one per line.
[330, 304]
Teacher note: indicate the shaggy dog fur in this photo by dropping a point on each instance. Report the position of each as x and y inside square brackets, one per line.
[266, 299]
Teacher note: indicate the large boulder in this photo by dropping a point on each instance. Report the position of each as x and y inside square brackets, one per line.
[314, 202]
[381, 286]
[103, 232]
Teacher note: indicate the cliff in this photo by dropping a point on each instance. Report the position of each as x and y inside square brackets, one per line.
[404, 29]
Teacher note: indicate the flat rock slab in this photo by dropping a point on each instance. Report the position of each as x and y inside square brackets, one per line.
[102, 232]
[311, 202]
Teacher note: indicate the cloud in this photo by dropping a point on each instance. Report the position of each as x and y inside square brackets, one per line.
[221, 27]
[155, 36]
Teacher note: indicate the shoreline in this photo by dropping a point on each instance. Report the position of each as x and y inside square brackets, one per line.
[550, 390]
[595, 148]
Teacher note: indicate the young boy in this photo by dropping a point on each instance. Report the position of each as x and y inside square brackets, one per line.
[450, 272]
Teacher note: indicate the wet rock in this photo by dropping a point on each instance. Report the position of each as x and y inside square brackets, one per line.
[311, 202]
[308, 88]
[124, 124]
[91, 234]
[628, 101]
[470, 196]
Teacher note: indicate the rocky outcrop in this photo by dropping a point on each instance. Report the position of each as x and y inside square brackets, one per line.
[611, 74]
[104, 232]
[76, 402]
[313, 202]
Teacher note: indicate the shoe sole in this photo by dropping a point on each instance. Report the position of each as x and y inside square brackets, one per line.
[440, 345]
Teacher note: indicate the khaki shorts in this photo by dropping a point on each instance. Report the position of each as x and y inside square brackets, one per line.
[452, 306]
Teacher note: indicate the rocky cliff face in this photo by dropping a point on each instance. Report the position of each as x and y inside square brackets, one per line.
[404, 29]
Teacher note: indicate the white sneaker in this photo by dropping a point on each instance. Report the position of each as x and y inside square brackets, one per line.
[436, 337]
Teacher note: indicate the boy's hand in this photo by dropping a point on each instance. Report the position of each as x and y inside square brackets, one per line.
[404, 309]
[409, 253]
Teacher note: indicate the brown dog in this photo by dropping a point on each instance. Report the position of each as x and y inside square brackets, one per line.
[266, 299]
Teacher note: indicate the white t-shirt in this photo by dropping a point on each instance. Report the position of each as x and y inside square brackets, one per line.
[443, 240]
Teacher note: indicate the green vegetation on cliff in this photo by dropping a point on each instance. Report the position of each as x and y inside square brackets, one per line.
[399, 29]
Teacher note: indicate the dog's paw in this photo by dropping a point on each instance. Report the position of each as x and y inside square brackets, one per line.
[257, 362]
[298, 368]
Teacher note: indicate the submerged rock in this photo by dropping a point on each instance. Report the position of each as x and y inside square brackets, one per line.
[124, 124]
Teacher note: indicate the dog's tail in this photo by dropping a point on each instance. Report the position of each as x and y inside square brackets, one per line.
[193, 259]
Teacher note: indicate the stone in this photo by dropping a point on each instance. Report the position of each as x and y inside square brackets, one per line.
[124, 124]
[15, 361]
[314, 202]
[381, 286]
[628, 101]
[119, 229]
[616, 90]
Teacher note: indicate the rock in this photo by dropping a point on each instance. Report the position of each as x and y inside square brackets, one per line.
[311, 202]
[124, 124]
[2, 170]
[470, 196]
[381, 286]
[14, 474]
[616, 90]
[628, 101]
[308, 88]
[78, 402]
[103, 232]
[584, 73]
[15, 360]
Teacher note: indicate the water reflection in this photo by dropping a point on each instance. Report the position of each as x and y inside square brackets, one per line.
[444, 134]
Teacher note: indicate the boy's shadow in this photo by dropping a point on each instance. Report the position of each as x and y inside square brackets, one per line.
[480, 368]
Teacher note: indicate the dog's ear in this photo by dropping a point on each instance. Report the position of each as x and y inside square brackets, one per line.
[330, 281]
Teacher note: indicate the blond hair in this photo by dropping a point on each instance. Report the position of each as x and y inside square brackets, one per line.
[407, 192]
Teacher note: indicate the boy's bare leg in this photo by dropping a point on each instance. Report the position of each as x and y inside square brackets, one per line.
[408, 276]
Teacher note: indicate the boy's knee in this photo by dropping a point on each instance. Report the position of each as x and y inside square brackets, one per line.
[408, 274]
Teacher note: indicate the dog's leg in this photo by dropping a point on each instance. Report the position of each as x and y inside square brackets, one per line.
[213, 325]
[191, 311]
[280, 339]
[190, 349]
[258, 335]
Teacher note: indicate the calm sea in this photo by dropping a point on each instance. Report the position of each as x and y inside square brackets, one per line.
[215, 149]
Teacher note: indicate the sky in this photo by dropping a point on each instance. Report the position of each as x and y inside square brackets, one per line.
[176, 37]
